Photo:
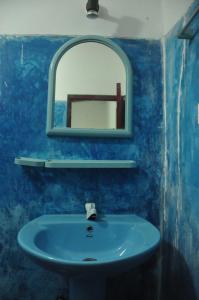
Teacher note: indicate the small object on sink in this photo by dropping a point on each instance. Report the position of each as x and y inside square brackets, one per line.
[91, 212]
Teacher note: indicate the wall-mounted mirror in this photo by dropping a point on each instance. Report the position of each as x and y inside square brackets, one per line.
[90, 89]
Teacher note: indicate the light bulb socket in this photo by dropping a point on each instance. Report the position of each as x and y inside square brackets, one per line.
[92, 8]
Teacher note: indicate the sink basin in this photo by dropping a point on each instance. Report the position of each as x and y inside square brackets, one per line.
[79, 248]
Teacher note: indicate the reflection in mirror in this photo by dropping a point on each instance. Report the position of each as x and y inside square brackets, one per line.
[107, 111]
[103, 114]
[90, 80]
[90, 89]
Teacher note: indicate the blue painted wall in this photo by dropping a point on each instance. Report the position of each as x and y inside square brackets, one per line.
[180, 210]
[26, 193]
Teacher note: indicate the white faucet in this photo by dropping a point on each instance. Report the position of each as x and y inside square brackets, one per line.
[91, 212]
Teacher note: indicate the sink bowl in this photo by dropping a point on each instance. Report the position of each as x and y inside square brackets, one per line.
[79, 248]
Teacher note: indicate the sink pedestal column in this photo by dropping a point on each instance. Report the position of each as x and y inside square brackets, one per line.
[87, 289]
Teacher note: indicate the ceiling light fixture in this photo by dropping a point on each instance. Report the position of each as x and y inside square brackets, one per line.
[92, 8]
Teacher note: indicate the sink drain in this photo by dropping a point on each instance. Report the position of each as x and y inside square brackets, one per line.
[89, 259]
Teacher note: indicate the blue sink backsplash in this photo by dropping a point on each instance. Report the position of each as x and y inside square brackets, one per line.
[26, 193]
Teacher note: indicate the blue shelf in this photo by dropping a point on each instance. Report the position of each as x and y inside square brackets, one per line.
[90, 164]
[76, 164]
[31, 162]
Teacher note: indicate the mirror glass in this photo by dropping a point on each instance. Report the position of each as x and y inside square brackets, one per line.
[90, 89]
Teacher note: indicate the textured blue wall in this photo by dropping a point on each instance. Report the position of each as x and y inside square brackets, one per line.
[26, 193]
[180, 211]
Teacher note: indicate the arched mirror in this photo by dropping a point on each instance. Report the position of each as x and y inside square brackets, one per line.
[90, 89]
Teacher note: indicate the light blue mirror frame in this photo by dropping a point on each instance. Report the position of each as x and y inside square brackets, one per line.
[56, 131]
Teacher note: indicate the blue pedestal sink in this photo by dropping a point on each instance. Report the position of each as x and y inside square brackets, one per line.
[89, 251]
